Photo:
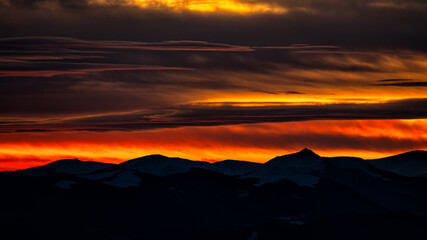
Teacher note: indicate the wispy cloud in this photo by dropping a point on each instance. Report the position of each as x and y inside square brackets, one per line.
[73, 43]
[224, 114]
[44, 76]
[51, 73]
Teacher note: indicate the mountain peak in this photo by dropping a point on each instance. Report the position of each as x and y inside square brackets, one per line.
[154, 158]
[304, 157]
[161, 165]
[306, 153]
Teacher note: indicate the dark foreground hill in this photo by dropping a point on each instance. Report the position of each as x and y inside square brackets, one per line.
[296, 196]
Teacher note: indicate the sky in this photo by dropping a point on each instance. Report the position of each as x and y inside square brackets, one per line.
[112, 80]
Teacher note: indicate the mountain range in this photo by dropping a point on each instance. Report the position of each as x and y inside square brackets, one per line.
[300, 195]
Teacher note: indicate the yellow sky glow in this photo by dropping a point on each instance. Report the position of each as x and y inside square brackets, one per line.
[251, 99]
[206, 5]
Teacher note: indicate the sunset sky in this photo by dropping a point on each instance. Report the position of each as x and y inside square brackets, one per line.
[112, 80]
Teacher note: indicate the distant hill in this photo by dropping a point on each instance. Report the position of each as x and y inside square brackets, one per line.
[411, 164]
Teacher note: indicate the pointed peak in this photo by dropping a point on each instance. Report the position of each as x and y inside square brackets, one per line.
[301, 156]
[307, 152]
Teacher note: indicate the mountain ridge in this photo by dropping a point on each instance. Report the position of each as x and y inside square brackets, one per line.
[303, 158]
[304, 167]
[302, 153]
[291, 196]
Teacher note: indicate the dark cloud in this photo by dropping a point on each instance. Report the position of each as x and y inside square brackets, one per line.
[395, 80]
[405, 84]
[51, 73]
[293, 92]
[75, 4]
[67, 4]
[46, 76]
[208, 115]
[366, 24]
[401, 82]
[298, 47]
[73, 43]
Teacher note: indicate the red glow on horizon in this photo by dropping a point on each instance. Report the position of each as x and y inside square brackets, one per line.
[250, 142]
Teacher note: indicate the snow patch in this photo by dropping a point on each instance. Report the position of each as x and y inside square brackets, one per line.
[99, 176]
[124, 179]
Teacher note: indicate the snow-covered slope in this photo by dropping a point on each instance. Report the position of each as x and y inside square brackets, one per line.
[296, 167]
[305, 168]
[117, 199]
[302, 159]
[410, 164]
[124, 179]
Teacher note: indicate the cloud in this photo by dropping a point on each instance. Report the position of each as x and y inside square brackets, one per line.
[353, 23]
[298, 47]
[73, 43]
[207, 115]
[293, 92]
[22, 59]
[51, 73]
[401, 82]
[236, 6]
[52, 76]
[405, 84]
[395, 80]
[100, 66]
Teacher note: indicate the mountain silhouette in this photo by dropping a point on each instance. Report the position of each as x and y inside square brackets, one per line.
[300, 195]
[411, 164]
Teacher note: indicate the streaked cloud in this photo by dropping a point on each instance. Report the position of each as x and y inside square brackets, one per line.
[223, 114]
[41, 78]
[405, 84]
[51, 73]
[72, 43]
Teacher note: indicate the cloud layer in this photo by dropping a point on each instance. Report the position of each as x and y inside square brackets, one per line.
[193, 83]
[125, 68]
[365, 24]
